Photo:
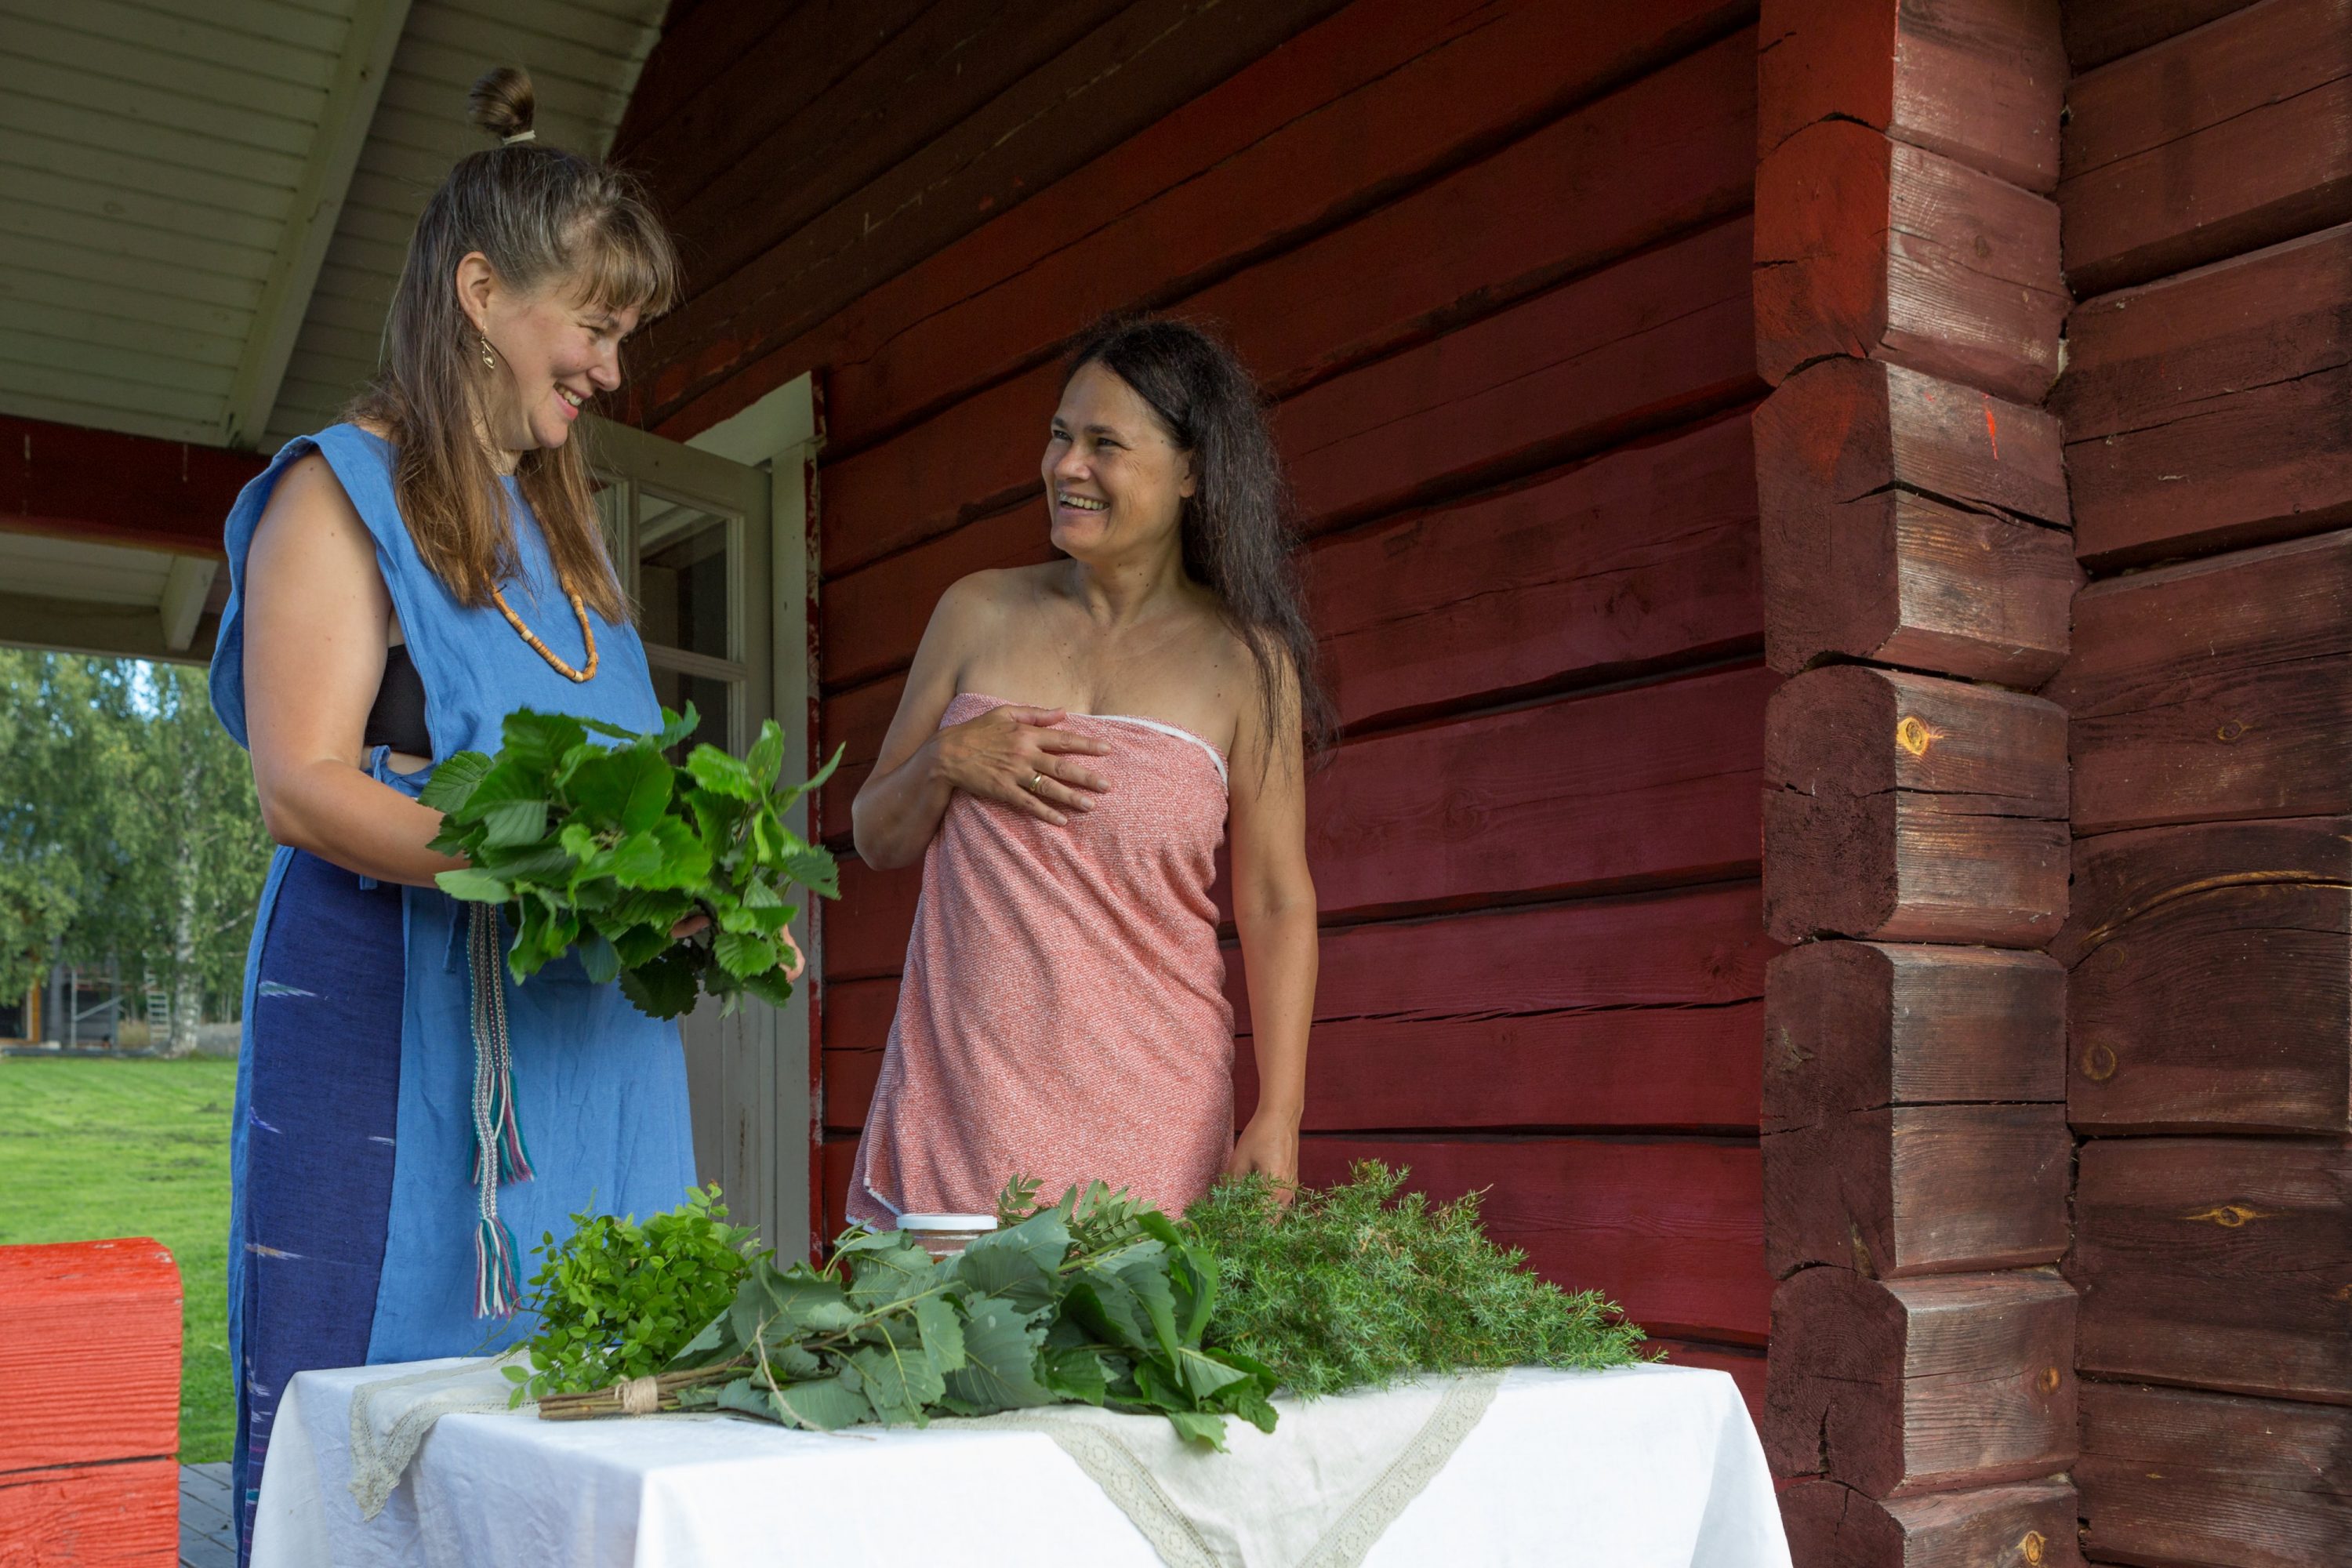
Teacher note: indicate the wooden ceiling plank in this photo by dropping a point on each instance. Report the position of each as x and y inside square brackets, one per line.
[375, 33]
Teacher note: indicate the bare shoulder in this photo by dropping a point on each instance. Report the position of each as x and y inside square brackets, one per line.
[310, 494]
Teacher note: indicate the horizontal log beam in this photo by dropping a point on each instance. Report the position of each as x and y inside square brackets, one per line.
[1905, 808]
[2171, 1476]
[1921, 1385]
[1868, 247]
[1975, 80]
[1385, 95]
[2212, 986]
[2214, 690]
[2234, 136]
[74, 483]
[2098, 31]
[1615, 183]
[1918, 1189]
[2204, 412]
[1043, 125]
[2027, 1526]
[1853, 1026]
[2225, 1263]
[106, 631]
[1647, 343]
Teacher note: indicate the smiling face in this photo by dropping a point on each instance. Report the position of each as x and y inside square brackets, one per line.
[553, 354]
[1115, 481]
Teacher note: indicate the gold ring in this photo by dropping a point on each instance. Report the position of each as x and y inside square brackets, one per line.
[1036, 781]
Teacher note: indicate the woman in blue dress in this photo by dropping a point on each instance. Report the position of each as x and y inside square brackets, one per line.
[398, 584]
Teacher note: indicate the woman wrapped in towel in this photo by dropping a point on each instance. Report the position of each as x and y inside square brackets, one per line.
[1074, 742]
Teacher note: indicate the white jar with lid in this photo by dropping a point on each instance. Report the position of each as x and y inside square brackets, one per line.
[945, 1235]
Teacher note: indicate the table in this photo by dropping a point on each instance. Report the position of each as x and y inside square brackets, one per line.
[1648, 1467]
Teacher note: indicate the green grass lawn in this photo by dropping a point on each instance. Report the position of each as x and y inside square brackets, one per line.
[90, 1148]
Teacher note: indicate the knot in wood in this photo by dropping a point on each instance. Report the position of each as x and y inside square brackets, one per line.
[2048, 1381]
[2229, 1216]
[1914, 735]
[2099, 1063]
[2030, 1546]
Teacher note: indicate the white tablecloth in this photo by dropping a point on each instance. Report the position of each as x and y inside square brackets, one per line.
[1648, 1467]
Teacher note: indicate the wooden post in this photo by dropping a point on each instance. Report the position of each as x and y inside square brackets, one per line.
[88, 1475]
[1914, 513]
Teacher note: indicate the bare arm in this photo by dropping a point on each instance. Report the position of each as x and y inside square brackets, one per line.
[317, 617]
[1274, 909]
[995, 756]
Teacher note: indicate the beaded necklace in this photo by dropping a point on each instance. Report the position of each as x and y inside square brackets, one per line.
[587, 636]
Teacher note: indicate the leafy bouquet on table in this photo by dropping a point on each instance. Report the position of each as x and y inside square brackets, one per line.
[600, 842]
[1097, 1300]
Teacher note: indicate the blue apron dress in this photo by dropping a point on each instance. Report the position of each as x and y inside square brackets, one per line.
[353, 1209]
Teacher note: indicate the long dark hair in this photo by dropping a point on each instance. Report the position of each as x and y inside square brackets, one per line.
[542, 216]
[1237, 527]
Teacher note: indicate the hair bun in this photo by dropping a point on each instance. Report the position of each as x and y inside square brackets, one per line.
[503, 102]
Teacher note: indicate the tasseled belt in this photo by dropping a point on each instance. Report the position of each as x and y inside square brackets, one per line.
[498, 1151]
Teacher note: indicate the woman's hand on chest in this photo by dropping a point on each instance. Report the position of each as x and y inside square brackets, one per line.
[1016, 757]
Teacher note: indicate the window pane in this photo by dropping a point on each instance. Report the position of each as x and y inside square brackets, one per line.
[682, 578]
[676, 690]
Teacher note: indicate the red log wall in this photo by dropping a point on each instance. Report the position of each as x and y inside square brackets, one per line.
[2207, 406]
[1493, 261]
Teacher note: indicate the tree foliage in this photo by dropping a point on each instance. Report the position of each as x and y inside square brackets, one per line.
[128, 829]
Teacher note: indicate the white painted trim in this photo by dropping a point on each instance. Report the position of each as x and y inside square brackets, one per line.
[312, 214]
[182, 603]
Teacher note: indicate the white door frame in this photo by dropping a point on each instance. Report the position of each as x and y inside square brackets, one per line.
[758, 1066]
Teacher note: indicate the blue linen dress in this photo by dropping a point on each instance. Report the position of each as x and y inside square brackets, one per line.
[352, 1218]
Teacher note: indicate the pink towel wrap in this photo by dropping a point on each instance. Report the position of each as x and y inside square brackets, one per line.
[1062, 1013]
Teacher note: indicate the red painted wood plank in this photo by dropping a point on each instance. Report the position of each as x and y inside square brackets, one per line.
[1374, 100]
[2204, 411]
[1662, 949]
[1085, 97]
[1645, 556]
[1652, 784]
[2211, 143]
[836, 1156]
[866, 929]
[2098, 31]
[1672, 1230]
[92, 1515]
[1660, 157]
[1660, 337]
[1638, 1013]
[1651, 340]
[56, 1303]
[72, 483]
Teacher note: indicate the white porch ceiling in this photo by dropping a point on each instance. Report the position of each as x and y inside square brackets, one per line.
[203, 203]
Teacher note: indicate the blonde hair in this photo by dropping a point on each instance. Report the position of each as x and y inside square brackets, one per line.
[544, 218]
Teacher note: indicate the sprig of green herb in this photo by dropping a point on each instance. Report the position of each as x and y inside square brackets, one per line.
[604, 845]
[619, 1300]
[1360, 1284]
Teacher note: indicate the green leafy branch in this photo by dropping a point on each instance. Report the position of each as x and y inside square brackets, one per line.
[599, 843]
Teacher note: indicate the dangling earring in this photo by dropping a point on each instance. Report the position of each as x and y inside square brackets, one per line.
[489, 361]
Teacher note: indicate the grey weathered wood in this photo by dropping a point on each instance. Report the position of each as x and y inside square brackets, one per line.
[1854, 1025]
[2224, 1263]
[1935, 1384]
[1902, 808]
